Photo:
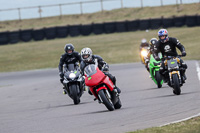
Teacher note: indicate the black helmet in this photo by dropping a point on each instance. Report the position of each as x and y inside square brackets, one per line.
[153, 41]
[69, 47]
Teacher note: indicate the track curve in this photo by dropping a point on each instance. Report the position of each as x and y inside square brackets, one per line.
[32, 101]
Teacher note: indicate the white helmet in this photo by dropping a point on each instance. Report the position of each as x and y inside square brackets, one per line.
[143, 40]
[86, 54]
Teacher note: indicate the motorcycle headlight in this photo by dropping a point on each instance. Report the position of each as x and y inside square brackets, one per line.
[156, 64]
[72, 75]
[144, 53]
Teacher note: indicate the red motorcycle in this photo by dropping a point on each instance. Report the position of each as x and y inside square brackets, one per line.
[102, 87]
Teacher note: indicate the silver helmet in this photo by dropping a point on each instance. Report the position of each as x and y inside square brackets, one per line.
[86, 54]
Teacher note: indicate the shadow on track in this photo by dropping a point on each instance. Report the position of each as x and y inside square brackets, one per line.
[171, 95]
[66, 105]
[146, 89]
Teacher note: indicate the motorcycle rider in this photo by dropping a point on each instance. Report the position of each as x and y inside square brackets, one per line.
[152, 43]
[144, 49]
[144, 43]
[167, 46]
[69, 57]
[89, 58]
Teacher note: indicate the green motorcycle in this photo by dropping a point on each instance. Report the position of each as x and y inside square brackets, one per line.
[154, 67]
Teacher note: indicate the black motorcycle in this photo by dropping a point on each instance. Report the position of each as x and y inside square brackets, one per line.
[175, 78]
[73, 82]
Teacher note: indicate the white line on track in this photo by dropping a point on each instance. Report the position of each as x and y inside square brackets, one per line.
[181, 120]
[198, 74]
[198, 70]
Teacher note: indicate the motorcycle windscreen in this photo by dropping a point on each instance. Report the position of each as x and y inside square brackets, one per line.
[93, 75]
[172, 64]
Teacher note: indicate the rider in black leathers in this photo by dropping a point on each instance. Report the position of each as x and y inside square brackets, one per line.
[167, 46]
[89, 58]
[69, 57]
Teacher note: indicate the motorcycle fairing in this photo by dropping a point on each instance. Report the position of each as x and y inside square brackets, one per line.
[172, 64]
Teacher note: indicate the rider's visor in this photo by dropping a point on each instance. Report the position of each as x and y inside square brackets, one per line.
[85, 56]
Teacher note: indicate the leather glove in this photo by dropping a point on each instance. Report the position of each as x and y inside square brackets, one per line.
[61, 80]
[61, 74]
[105, 68]
[183, 53]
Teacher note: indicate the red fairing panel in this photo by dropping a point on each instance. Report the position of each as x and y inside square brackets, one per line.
[109, 83]
[95, 79]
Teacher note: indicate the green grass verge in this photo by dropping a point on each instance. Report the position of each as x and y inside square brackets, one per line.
[189, 126]
[114, 48]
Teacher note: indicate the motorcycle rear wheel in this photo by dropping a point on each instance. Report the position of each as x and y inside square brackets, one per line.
[106, 101]
[176, 86]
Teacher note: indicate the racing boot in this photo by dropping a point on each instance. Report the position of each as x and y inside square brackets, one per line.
[182, 71]
[115, 87]
[89, 92]
[64, 91]
[184, 78]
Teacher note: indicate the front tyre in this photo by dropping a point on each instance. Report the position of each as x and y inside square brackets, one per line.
[106, 100]
[176, 86]
[74, 94]
[158, 79]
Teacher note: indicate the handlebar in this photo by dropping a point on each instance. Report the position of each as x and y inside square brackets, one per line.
[169, 57]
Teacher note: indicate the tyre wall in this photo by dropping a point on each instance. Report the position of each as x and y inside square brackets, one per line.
[97, 28]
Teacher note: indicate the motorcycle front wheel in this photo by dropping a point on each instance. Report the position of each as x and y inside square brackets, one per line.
[106, 100]
[74, 93]
[158, 79]
[176, 86]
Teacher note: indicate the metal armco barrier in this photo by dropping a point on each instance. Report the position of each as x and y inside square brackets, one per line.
[98, 28]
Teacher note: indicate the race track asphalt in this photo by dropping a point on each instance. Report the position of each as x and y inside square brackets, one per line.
[32, 102]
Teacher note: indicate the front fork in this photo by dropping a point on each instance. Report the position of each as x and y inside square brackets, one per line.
[172, 73]
[108, 96]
